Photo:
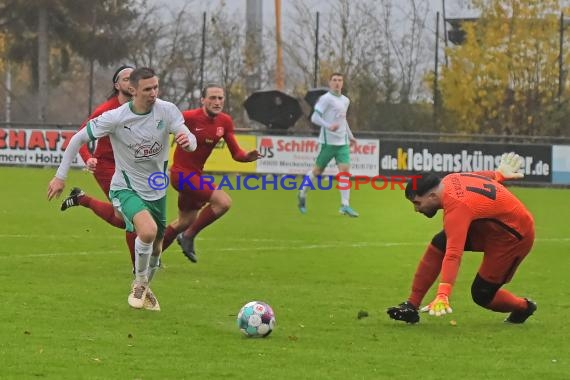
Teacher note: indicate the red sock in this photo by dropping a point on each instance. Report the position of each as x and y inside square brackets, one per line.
[505, 301]
[169, 236]
[426, 274]
[103, 210]
[130, 237]
[205, 218]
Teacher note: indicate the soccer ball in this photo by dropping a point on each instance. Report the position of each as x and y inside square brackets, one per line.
[256, 319]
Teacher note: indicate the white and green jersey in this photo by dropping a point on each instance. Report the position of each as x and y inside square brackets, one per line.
[331, 109]
[140, 143]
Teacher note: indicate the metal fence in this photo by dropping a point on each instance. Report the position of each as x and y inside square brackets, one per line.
[409, 136]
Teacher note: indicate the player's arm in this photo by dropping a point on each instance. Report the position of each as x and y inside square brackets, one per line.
[349, 132]
[182, 134]
[509, 168]
[84, 149]
[407, 311]
[318, 112]
[491, 174]
[456, 222]
[57, 184]
[100, 126]
[317, 118]
[238, 154]
[351, 137]
[90, 161]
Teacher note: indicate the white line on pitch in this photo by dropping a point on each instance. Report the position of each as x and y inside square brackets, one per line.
[266, 248]
[56, 254]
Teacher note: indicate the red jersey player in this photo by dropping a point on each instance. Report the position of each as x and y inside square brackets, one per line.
[200, 205]
[102, 162]
[480, 215]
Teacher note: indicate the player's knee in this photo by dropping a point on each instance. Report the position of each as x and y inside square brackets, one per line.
[227, 204]
[483, 291]
[439, 241]
[221, 202]
[147, 233]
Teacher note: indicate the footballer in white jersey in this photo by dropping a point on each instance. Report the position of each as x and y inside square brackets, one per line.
[140, 144]
[139, 133]
[332, 108]
[335, 140]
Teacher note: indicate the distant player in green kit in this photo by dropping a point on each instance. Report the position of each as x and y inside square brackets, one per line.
[335, 139]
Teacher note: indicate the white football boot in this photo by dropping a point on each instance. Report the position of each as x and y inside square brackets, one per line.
[150, 301]
[138, 294]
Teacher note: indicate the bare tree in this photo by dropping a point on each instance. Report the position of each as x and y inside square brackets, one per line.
[168, 45]
[409, 46]
[43, 63]
[349, 44]
[345, 40]
[386, 78]
[378, 45]
[226, 56]
[299, 45]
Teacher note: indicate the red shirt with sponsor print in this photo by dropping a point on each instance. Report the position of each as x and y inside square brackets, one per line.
[103, 151]
[208, 131]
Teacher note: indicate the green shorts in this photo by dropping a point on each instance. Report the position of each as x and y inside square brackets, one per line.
[129, 203]
[341, 154]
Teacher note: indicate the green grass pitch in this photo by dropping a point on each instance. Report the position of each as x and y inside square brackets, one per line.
[65, 277]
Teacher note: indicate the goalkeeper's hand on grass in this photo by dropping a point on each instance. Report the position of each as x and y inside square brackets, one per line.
[440, 305]
[510, 166]
[405, 312]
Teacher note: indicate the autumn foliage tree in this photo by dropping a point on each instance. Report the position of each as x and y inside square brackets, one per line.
[504, 78]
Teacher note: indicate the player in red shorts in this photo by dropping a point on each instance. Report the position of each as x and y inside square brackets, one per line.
[480, 215]
[200, 205]
[102, 162]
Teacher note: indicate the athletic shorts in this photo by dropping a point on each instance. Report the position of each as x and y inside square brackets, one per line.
[341, 154]
[503, 251]
[193, 190]
[129, 203]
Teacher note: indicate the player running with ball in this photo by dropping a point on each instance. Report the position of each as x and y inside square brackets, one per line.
[139, 132]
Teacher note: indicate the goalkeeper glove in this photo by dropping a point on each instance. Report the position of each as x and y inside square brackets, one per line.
[510, 165]
[404, 312]
[440, 305]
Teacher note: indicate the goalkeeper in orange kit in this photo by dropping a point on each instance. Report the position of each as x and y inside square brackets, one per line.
[480, 215]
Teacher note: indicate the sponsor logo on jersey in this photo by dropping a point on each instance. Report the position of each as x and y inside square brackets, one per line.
[146, 151]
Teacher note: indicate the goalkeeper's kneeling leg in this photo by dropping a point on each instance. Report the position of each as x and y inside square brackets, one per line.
[483, 291]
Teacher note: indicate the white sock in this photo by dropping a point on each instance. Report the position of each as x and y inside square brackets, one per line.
[153, 266]
[345, 194]
[143, 252]
[312, 177]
